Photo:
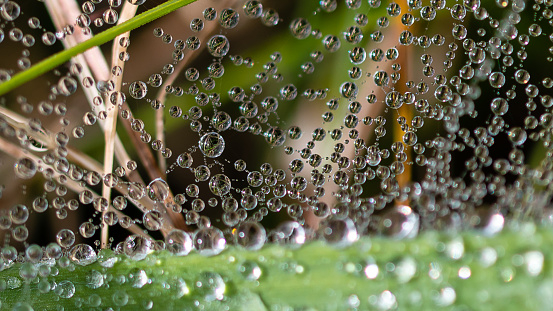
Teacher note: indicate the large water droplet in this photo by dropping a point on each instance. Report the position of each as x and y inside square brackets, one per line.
[94, 279]
[209, 241]
[218, 45]
[300, 28]
[339, 232]
[220, 185]
[10, 11]
[138, 90]
[65, 289]
[65, 238]
[25, 168]
[289, 232]
[137, 247]
[250, 235]
[229, 18]
[399, 222]
[82, 254]
[158, 190]
[212, 145]
[67, 86]
[210, 286]
[178, 242]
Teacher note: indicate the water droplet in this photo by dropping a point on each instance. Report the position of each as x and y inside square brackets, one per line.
[65, 238]
[65, 289]
[522, 76]
[25, 168]
[394, 100]
[218, 45]
[152, 220]
[178, 242]
[250, 235]
[19, 214]
[82, 254]
[138, 89]
[497, 79]
[443, 93]
[399, 222]
[300, 28]
[253, 9]
[331, 43]
[229, 18]
[517, 136]
[10, 11]
[67, 86]
[94, 279]
[289, 232]
[220, 185]
[339, 232]
[209, 241]
[137, 247]
[212, 145]
[275, 136]
[158, 190]
[210, 286]
[250, 270]
[138, 278]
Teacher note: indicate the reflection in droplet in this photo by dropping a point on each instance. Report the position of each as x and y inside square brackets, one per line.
[218, 45]
[212, 145]
[339, 232]
[25, 168]
[250, 235]
[178, 242]
[399, 222]
[209, 241]
[82, 254]
[158, 190]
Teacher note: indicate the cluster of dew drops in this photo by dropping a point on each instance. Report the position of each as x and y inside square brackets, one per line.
[327, 176]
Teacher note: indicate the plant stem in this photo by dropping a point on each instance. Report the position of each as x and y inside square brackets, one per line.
[99, 39]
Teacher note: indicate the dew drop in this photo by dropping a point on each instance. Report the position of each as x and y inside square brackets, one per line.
[250, 235]
[10, 11]
[210, 286]
[220, 185]
[300, 28]
[25, 168]
[82, 254]
[178, 242]
[65, 238]
[209, 241]
[339, 232]
[65, 289]
[138, 90]
[158, 190]
[212, 145]
[137, 247]
[218, 45]
[229, 18]
[399, 222]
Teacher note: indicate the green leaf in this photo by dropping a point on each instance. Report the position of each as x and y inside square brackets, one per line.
[435, 271]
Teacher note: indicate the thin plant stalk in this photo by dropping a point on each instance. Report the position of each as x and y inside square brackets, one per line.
[96, 62]
[16, 152]
[162, 95]
[127, 13]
